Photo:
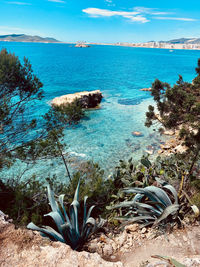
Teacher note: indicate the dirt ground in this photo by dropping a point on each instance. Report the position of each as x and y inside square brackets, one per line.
[182, 245]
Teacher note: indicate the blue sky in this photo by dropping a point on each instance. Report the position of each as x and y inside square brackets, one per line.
[102, 20]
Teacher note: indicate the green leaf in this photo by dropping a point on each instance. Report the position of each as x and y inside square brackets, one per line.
[170, 210]
[170, 260]
[146, 162]
[48, 231]
[57, 219]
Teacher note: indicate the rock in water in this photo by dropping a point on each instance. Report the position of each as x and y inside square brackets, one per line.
[137, 134]
[86, 99]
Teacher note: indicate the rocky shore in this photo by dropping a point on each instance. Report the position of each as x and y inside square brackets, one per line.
[133, 247]
[173, 145]
[87, 99]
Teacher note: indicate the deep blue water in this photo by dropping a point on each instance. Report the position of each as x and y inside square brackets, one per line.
[120, 73]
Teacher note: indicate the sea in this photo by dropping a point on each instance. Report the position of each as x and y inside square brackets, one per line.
[105, 135]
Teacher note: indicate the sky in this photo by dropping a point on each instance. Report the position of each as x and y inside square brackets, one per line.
[106, 21]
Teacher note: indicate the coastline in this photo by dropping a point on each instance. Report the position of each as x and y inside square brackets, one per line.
[132, 45]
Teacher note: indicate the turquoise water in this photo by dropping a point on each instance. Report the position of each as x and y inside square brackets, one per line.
[120, 73]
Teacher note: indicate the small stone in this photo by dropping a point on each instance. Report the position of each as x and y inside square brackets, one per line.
[114, 246]
[185, 238]
[143, 230]
[131, 227]
[108, 250]
[122, 238]
[137, 134]
[149, 235]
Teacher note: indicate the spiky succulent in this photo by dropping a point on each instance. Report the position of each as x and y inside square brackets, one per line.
[69, 229]
[149, 205]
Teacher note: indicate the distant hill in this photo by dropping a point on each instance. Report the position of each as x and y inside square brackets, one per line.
[185, 41]
[27, 38]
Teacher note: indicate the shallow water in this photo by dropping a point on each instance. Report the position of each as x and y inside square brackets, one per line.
[120, 73]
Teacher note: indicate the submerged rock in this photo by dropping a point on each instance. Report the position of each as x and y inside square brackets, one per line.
[137, 134]
[129, 102]
[87, 99]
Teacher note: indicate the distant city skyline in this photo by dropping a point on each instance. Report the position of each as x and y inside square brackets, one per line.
[103, 20]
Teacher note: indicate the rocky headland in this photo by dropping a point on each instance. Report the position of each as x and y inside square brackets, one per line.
[86, 99]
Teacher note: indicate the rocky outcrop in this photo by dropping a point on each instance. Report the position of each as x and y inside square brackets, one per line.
[87, 99]
[21, 247]
[82, 45]
[146, 89]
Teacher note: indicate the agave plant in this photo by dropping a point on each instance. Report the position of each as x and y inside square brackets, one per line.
[69, 229]
[150, 205]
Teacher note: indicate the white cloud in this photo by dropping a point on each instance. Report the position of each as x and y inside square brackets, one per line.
[109, 2]
[57, 1]
[19, 3]
[151, 11]
[97, 12]
[131, 15]
[138, 18]
[139, 14]
[174, 18]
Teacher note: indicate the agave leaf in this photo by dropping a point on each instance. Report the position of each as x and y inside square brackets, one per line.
[61, 200]
[155, 203]
[146, 206]
[91, 220]
[67, 233]
[85, 209]
[161, 194]
[142, 212]
[76, 195]
[74, 210]
[47, 231]
[124, 204]
[173, 191]
[195, 210]
[88, 231]
[90, 211]
[138, 197]
[57, 219]
[169, 210]
[149, 194]
[74, 217]
[142, 191]
[53, 203]
[51, 198]
[101, 223]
